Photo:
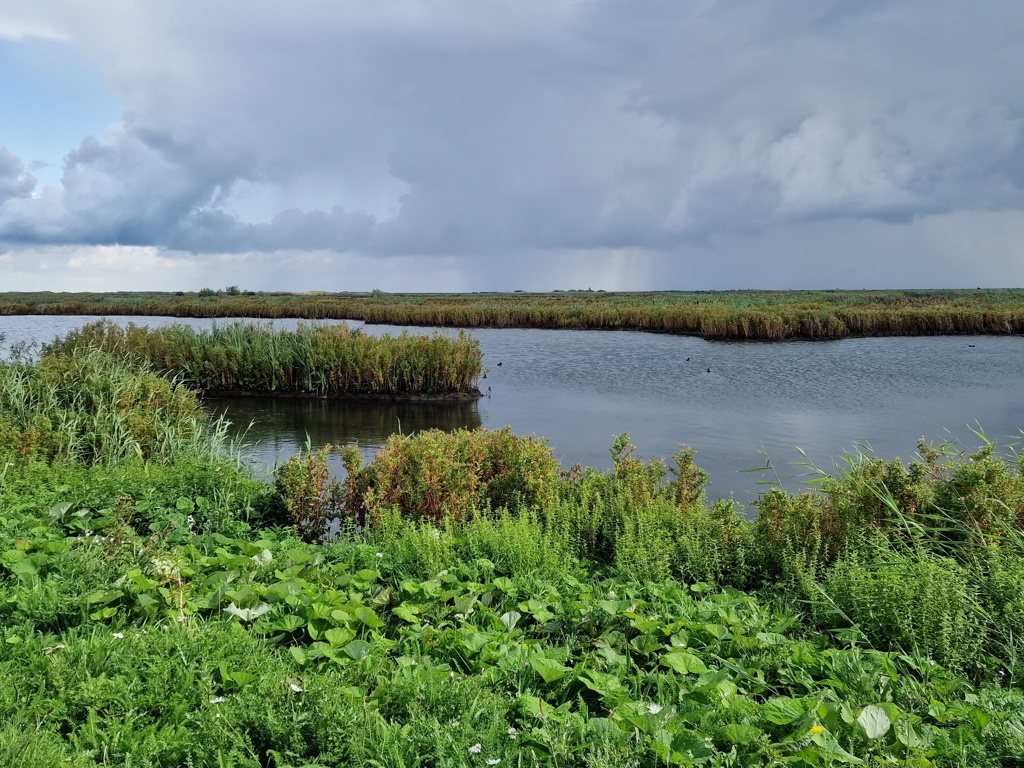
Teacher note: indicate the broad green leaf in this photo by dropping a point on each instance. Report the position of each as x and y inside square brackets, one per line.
[406, 612]
[368, 617]
[141, 581]
[535, 705]
[683, 663]
[465, 603]
[916, 736]
[338, 636]
[646, 643]
[606, 685]
[357, 650]
[242, 679]
[742, 734]
[874, 721]
[979, 718]
[717, 631]
[692, 747]
[833, 749]
[548, 669]
[288, 623]
[473, 640]
[782, 710]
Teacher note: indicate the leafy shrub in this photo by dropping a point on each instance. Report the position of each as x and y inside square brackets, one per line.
[308, 493]
[714, 544]
[439, 475]
[797, 536]
[649, 528]
[910, 600]
[982, 492]
[874, 493]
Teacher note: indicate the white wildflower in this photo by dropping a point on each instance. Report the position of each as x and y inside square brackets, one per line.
[165, 568]
[476, 749]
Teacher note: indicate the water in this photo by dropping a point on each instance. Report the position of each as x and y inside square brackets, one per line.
[580, 388]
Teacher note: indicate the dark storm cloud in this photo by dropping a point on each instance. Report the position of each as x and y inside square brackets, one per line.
[458, 127]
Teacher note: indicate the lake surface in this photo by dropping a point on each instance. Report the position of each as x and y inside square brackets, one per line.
[580, 388]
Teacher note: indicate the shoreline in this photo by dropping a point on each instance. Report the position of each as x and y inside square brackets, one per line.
[227, 394]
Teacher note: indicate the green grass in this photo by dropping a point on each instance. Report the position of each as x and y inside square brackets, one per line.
[714, 314]
[154, 612]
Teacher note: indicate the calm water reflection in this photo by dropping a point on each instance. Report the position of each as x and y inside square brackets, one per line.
[579, 389]
[272, 428]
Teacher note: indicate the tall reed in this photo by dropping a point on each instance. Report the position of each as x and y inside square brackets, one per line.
[314, 359]
[91, 408]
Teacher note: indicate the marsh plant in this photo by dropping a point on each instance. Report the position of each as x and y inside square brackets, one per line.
[88, 407]
[312, 359]
[718, 314]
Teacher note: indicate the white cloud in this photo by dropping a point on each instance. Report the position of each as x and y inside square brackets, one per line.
[16, 30]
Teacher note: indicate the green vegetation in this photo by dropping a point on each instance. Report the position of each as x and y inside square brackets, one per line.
[328, 360]
[722, 314]
[475, 606]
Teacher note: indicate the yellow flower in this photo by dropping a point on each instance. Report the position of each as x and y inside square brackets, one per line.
[816, 729]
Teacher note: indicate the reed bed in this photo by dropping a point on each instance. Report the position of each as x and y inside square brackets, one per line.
[91, 408]
[324, 360]
[763, 315]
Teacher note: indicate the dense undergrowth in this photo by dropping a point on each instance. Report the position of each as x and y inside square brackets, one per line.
[711, 314]
[475, 605]
[313, 359]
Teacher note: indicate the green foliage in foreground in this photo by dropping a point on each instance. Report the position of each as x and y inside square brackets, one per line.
[413, 645]
[315, 359]
[149, 618]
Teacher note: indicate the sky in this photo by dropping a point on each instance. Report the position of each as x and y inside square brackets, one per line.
[489, 145]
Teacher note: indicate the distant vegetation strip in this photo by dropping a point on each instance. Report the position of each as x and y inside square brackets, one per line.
[325, 360]
[719, 315]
